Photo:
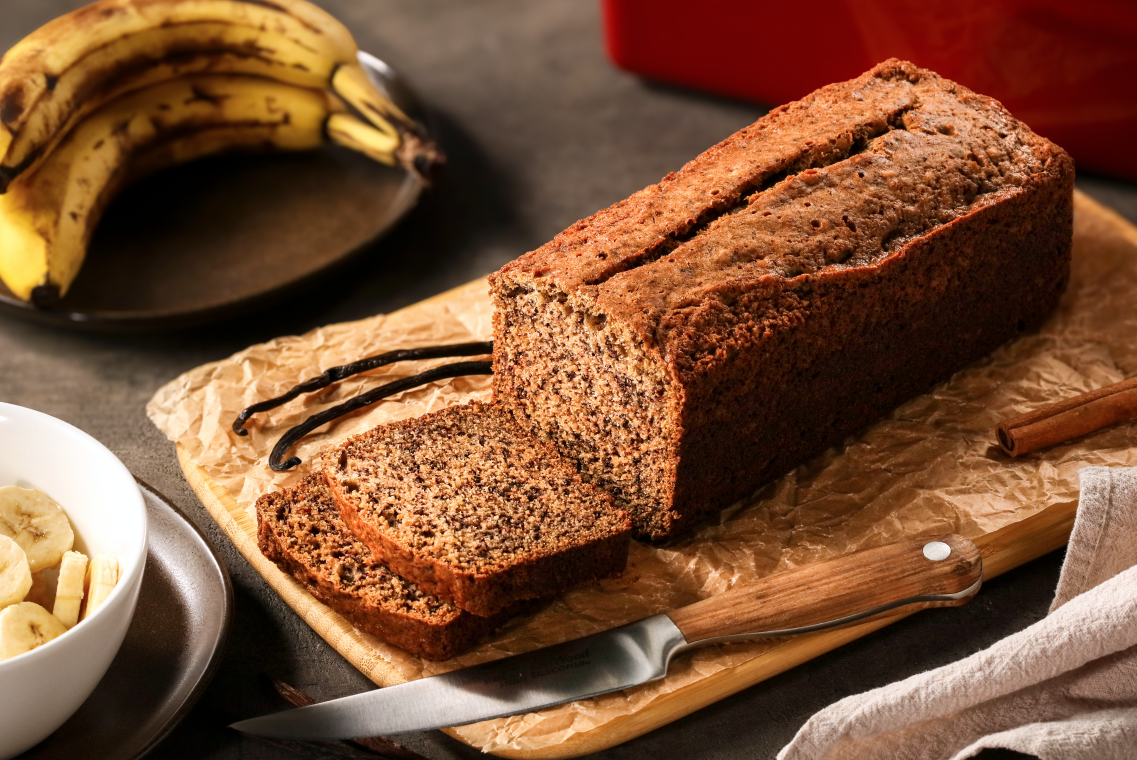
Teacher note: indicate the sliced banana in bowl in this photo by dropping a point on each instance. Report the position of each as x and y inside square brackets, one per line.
[25, 626]
[36, 536]
[34, 521]
[69, 589]
[87, 503]
[15, 575]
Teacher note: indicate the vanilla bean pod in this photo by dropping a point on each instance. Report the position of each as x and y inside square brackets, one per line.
[289, 439]
[335, 374]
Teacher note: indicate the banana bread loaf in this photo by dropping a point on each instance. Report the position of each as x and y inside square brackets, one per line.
[300, 530]
[782, 290]
[472, 509]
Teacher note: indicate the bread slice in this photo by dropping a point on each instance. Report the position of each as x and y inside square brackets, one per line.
[474, 510]
[787, 287]
[300, 530]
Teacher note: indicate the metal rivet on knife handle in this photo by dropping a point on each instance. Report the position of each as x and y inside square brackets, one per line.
[837, 592]
[937, 551]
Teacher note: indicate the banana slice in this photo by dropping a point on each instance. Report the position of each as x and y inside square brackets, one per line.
[25, 626]
[15, 576]
[37, 524]
[69, 592]
[101, 582]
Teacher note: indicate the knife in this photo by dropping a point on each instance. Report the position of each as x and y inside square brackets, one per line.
[914, 574]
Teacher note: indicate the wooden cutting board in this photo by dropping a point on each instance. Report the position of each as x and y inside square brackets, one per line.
[1003, 549]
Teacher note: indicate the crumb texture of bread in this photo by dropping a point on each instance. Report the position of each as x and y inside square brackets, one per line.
[300, 530]
[475, 510]
[784, 289]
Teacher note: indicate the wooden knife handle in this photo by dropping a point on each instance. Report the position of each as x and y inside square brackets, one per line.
[839, 591]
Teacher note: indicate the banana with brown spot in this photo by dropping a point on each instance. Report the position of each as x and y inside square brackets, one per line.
[47, 218]
[77, 63]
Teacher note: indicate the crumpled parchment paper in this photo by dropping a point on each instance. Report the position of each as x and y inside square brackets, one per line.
[930, 467]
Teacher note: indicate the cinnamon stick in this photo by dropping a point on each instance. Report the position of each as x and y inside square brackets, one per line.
[1061, 421]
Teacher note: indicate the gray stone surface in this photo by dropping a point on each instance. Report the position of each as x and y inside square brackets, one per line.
[541, 130]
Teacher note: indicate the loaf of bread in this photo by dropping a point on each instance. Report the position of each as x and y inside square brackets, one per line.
[472, 509]
[300, 530]
[785, 288]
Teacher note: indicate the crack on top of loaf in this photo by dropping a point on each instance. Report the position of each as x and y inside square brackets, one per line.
[923, 180]
[828, 125]
[802, 164]
[904, 107]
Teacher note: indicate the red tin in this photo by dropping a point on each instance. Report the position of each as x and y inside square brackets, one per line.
[1068, 69]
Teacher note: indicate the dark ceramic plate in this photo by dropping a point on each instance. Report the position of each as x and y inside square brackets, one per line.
[214, 238]
[171, 651]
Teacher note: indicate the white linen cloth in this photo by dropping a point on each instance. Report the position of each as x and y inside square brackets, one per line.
[1063, 689]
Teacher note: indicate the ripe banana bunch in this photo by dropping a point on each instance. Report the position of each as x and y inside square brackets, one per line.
[121, 88]
[47, 217]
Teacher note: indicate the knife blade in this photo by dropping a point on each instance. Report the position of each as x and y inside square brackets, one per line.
[944, 571]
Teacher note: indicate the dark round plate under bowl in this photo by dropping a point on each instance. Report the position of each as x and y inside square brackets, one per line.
[171, 651]
[214, 238]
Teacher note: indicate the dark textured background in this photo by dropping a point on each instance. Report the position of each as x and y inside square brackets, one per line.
[541, 131]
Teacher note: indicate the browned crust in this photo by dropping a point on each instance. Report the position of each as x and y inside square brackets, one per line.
[486, 594]
[820, 128]
[764, 371]
[439, 637]
[991, 275]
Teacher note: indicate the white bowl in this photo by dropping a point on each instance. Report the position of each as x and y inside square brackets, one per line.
[40, 690]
